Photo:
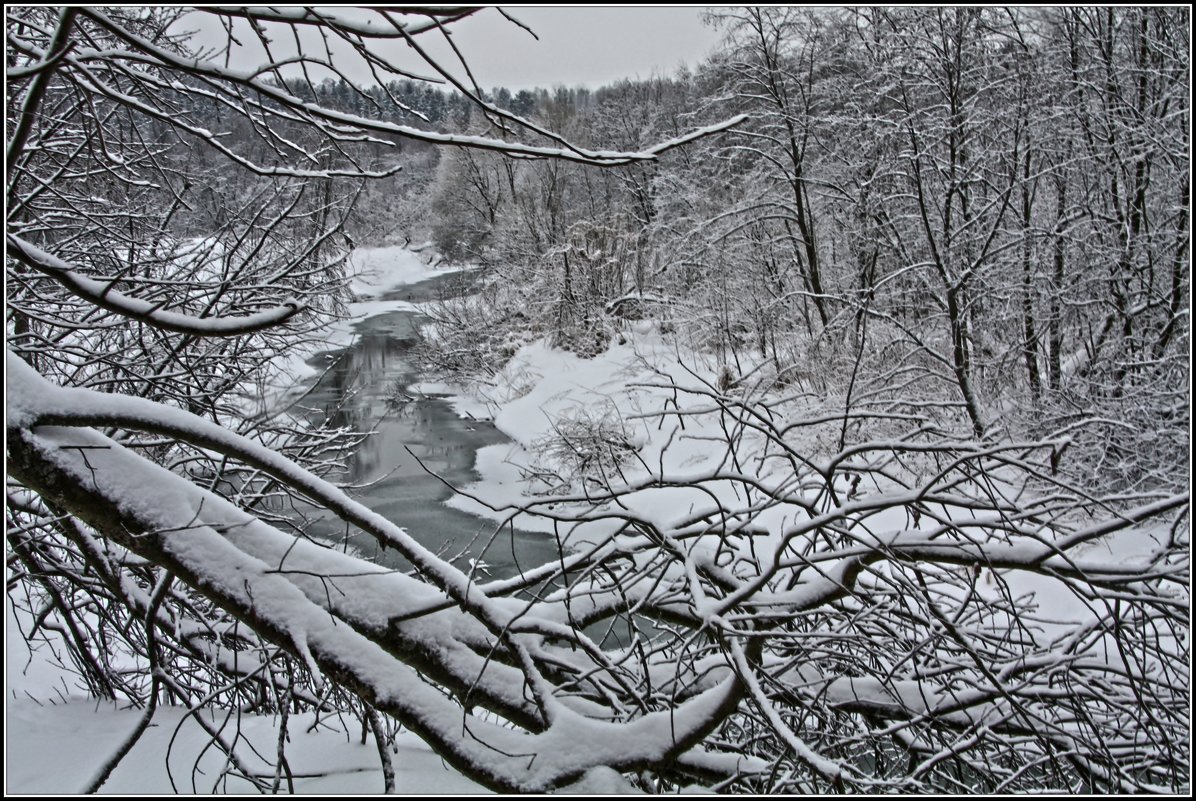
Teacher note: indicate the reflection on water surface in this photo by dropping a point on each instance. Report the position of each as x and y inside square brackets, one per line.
[366, 388]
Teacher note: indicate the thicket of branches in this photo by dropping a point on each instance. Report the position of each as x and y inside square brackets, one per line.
[937, 223]
[969, 225]
[988, 207]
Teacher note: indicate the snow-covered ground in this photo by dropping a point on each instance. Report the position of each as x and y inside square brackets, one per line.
[56, 739]
[57, 748]
[544, 389]
[626, 392]
[623, 392]
[379, 270]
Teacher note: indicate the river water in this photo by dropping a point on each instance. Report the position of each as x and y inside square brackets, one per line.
[366, 387]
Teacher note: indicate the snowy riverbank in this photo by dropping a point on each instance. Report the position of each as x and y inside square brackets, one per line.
[732, 485]
[377, 273]
[558, 409]
[57, 740]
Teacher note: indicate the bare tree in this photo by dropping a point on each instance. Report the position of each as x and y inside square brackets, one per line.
[912, 612]
[173, 227]
[861, 617]
[772, 57]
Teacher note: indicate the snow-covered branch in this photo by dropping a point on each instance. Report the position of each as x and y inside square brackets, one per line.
[101, 294]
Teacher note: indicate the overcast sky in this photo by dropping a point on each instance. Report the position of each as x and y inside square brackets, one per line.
[587, 45]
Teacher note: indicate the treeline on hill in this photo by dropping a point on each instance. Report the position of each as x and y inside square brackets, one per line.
[411, 102]
[396, 209]
[985, 209]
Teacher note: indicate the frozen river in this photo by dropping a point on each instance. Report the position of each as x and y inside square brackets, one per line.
[366, 387]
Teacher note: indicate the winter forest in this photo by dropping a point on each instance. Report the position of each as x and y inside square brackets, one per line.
[812, 420]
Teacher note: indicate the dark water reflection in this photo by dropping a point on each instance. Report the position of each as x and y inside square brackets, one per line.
[366, 387]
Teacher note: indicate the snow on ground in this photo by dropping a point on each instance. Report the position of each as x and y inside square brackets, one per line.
[379, 270]
[543, 390]
[56, 739]
[626, 391]
[58, 748]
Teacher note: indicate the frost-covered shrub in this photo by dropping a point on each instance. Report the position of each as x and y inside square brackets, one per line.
[586, 338]
[587, 447]
[472, 337]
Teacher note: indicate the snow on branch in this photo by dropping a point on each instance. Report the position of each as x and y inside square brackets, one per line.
[328, 17]
[146, 52]
[101, 293]
[280, 587]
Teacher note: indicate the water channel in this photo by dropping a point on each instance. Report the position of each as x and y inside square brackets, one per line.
[367, 387]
